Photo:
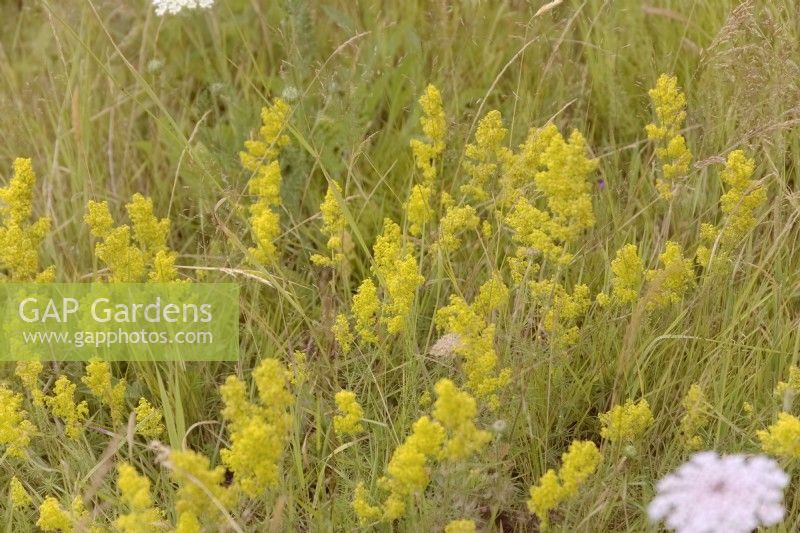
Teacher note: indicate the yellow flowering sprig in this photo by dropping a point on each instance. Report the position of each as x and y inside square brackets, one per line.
[261, 159]
[668, 284]
[142, 516]
[460, 526]
[783, 437]
[258, 431]
[149, 420]
[99, 381]
[787, 390]
[28, 373]
[20, 237]
[349, 422]
[627, 278]
[625, 424]
[426, 154]
[739, 204]
[342, 334]
[132, 253]
[17, 494]
[553, 488]
[485, 156]
[15, 428]
[669, 104]
[562, 310]
[333, 226]
[475, 339]
[52, 517]
[366, 307]
[694, 418]
[456, 219]
[62, 404]
[201, 489]
[450, 435]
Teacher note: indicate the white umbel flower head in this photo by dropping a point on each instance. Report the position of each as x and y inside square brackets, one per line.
[172, 7]
[721, 494]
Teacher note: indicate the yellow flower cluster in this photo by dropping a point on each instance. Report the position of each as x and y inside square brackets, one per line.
[99, 381]
[694, 418]
[626, 423]
[476, 339]
[200, 488]
[788, 390]
[783, 437]
[433, 125]
[52, 517]
[131, 259]
[28, 373]
[460, 526]
[563, 310]
[418, 207]
[670, 107]
[143, 516]
[261, 159]
[562, 171]
[627, 271]
[19, 237]
[148, 420]
[485, 156]
[397, 269]
[739, 204]
[342, 334]
[17, 494]
[450, 435]
[258, 431]
[349, 422]
[667, 285]
[455, 221]
[577, 464]
[333, 225]
[62, 404]
[366, 307]
[15, 428]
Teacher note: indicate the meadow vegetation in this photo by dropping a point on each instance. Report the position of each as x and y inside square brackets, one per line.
[502, 268]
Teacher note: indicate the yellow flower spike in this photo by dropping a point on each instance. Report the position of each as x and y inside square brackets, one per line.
[783, 437]
[28, 373]
[258, 431]
[349, 422]
[397, 268]
[62, 404]
[199, 485]
[455, 410]
[333, 225]
[418, 208]
[342, 334]
[163, 269]
[460, 526]
[669, 104]
[142, 515]
[99, 381]
[365, 511]
[149, 231]
[577, 464]
[694, 418]
[485, 155]
[627, 278]
[534, 229]
[15, 428]
[20, 237]
[366, 307]
[456, 220]
[149, 420]
[98, 218]
[52, 517]
[627, 423]
[669, 283]
[20, 498]
[188, 523]
[260, 158]
[433, 125]
[563, 310]
[492, 295]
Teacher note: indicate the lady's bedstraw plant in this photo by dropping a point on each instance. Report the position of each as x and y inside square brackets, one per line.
[349, 421]
[20, 237]
[142, 516]
[63, 405]
[669, 104]
[15, 428]
[258, 430]
[419, 210]
[739, 204]
[333, 226]
[626, 424]
[260, 158]
[133, 258]
[99, 381]
[451, 435]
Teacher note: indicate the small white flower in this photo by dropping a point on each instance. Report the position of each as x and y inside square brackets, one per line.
[721, 494]
[172, 7]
